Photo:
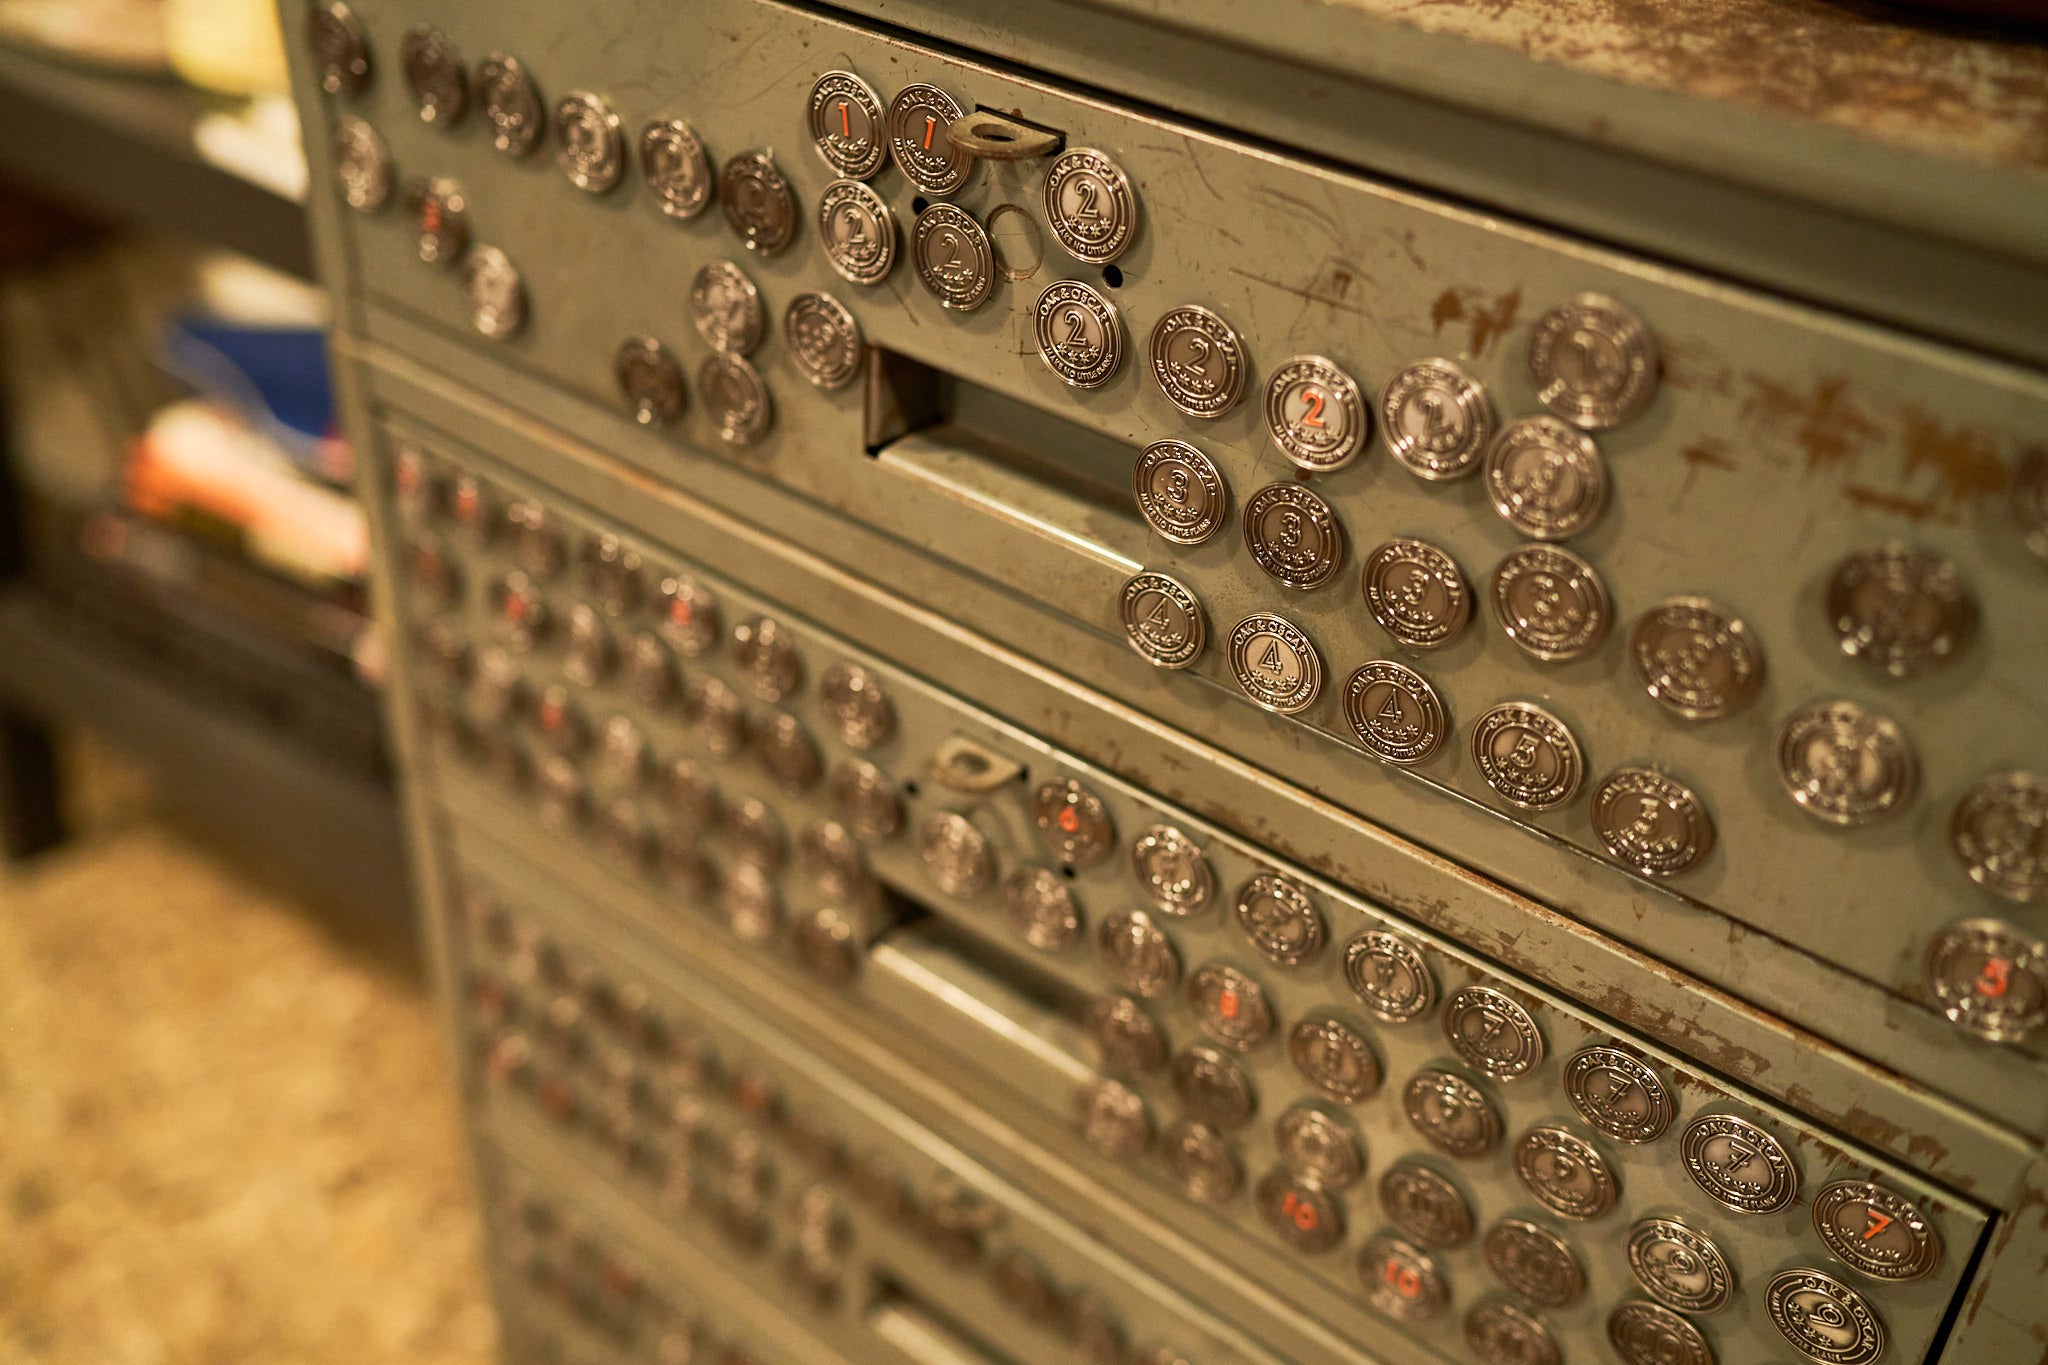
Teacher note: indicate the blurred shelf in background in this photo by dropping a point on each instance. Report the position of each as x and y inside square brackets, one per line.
[184, 639]
[124, 147]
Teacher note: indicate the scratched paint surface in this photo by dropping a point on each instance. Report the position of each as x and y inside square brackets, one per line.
[1938, 88]
[1782, 440]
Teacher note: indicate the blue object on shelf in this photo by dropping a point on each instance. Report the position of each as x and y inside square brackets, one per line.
[276, 376]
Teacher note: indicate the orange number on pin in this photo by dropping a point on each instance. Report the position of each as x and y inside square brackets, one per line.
[929, 124]
[1406, 1282]
[845, 121]
[1878, 1223]
[1314, 416]
[1996, 978]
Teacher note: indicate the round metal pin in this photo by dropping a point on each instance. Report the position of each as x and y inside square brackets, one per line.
[953, 256]
[1738, 1164]
[362, 165]
[1989, 977]
[1163, 620]
[1436, 420]
[435, 73]
[736, 399]
[511, 105]
[1395, 712]
[1527, 756]
[1679, 1266]
[1170, 868]
[440, 215]
[1492, 1031]
[1551, 603]
[497, 296]
[1212, 1088]
[1534, 1262]
[854, 700]
[1565, 1173]
[956, 854]
[1876, 1231]
[1451, 1113]
[758, 203]
[1280, 918]
[1500, 1332]
[1425, 1205]
[1318, 1146]
[1333, 1057]
[1072, 822]
[1314, 414]
[1592, 362]
[1694, 659]
[588, 147]
[824, 340]
[1544, 478]
[1180, 492]
[1401, 1280]
[1198, 361]
[1201, 1162]
[1140, 956]
[689, 612]
[858, 232]
[866, 799]
[1645, 1333]
[1845, 764]
[1042, 908]
[1293, 535]
[2030, 502]
[1825, 1319]
[917, 122]
[1389, 976]
[677, 170]
[1230, 1005]
[1651, 822]
[1080, 334]
[769, 662]
[1901, 609]
[1416, 593]
[1114, 1119]
[1299, 1211]
[1127, 1036]
[1619, 1094]
[1275, 664]
[1090, 205]
[341, 52]
[726, 307]
[1999, 832]
[846, 124]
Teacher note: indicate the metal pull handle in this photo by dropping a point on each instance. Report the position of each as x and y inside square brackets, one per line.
[974, 1010]
[921, 1335]
[997, 137]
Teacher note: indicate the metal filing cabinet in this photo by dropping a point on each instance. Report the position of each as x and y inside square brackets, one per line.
[1287, 683]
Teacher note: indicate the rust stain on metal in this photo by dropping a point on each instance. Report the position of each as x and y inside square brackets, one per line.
[1488, 319]
[1710, 453]
[1952, 92]
[1877, 500]
[1963, 459]
[1826, 424]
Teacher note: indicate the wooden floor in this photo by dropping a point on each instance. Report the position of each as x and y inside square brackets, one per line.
[228, 1130]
